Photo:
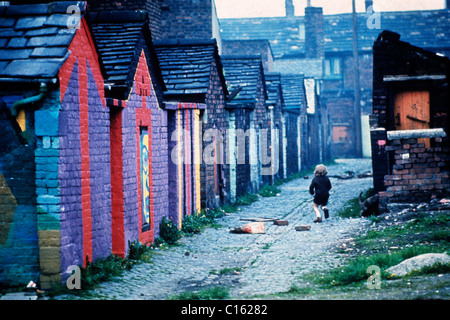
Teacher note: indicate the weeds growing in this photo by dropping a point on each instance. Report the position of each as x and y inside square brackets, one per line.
[215, 293]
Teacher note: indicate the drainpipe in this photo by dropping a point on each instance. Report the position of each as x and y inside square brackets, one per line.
[43, 91]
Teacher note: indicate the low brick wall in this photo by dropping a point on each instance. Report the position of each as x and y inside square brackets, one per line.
[419, 173]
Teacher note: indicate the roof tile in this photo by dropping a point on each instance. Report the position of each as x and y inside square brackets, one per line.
[28, 23]
[34, 39]
[186, 65]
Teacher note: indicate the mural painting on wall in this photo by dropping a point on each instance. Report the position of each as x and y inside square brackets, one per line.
[145, 179]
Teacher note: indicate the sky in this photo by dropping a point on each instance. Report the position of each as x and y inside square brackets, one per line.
[270, 8]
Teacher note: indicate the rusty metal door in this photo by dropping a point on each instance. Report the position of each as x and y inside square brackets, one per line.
[412, 111]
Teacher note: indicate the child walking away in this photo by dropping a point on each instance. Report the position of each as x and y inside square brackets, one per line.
[320, 187]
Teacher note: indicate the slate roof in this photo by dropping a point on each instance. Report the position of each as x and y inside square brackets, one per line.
[293, 91]
[429, 29]
[186, 66]
[34, 39]
[116, 35]
[273, 85]
[244, 72]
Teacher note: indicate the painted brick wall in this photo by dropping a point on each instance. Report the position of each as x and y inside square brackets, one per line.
[141, 110]
[84, 162]
[184, 161]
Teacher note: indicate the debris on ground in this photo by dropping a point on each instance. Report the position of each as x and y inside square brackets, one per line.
[281, 222]
[303, 228]
[258, 219]
[252, 227]
[278, 222]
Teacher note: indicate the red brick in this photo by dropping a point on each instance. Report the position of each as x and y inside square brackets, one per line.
[409, 176]
[401, 171]
[425, 176]
[393, 177]
[384, 194]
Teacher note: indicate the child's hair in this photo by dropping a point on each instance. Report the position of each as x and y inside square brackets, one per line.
[321, 170]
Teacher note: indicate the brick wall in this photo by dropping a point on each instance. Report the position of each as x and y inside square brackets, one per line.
[217, 118]
[292, 147]
[83, 146]
[419, 173]
[277, 125]
[141, 110]
[379, 158]
[314, 36]
[183, 19]
[242, 124]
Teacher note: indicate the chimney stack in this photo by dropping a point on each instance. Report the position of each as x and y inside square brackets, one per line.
[369, 3]
[314, 35]
[290, 9]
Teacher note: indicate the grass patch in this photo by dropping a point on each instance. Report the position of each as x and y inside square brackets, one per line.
[352, 208]
[425, 228]
[356, 270]
[229, 270]
[427, 232]
[216, 293]
[269, 191]
[437, 268]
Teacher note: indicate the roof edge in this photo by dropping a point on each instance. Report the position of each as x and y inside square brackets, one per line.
[184, 42]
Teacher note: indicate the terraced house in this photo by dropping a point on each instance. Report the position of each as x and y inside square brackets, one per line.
[55, 122]
[197, 120]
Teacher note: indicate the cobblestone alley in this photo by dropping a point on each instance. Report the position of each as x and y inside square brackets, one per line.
[267, 263]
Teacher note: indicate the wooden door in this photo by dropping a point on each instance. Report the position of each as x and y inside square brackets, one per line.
[412, 111]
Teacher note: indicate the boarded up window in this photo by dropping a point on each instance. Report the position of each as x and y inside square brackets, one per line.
[340, 133]
[412, 111]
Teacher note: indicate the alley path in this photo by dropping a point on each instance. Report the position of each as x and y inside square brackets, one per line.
[267, 263]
